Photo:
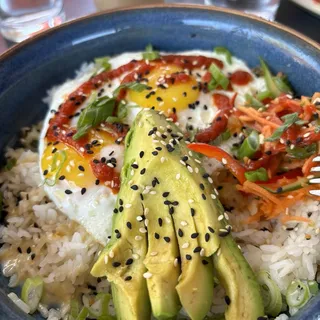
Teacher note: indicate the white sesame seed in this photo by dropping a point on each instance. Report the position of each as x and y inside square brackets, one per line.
[148, 187]
[198, 161]
[317, 230]
[135, 256]
[168, 220]
[283, 227]
[190, 169]
[220, 217]
[145, 191]
[182, 162]
[216, 191]
[146, 211]
[226, 216]
[82, 149]
[139, 218]
[111, 254]
[296, 229]
[210, 180]
[178, 176]
[68, 168]
[146, 222]
[81, 174]
[184, 223]
[106, 259]
[196, 169]
[224, 161]
[185, 245]
[138, 238]
[153, 254]
[190, 153]
[213, 196]
[162, 128]
[132, 172]
[281, 141]
[158, 134]
[143, 230]
[72, 164]
[163, 142]
[147, 275]
[110, 165]
[163, 159]
[190, 201]
[218, 252]
[128, 205]
[239, 247]
[174, 99]
[153, 192]
[306, 135]
[175, 262]
[292, 147]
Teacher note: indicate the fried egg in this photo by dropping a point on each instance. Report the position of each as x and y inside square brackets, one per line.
[67, 174]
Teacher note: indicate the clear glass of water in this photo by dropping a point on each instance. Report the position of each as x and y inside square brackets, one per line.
[263, 8]
[21, 19]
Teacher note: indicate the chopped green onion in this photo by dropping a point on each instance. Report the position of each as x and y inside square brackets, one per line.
[313, 287]
[83, 314]
[218, 78]
[32, 291]
[289, 120]
[56, 168]
[102, 64]
[224, 51]
[302, 152]
[254, 102]
[150, 54]
[96, 112]
[298, 294]
[263, 95]
[74, 309]
[270, 293]
[249, 146]
[275, 85]
[300, 183]
[257, 175]
[224, 136]
[134, 85]
[100, 308]
[10, 164]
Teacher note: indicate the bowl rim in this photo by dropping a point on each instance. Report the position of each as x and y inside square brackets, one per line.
[17, 47]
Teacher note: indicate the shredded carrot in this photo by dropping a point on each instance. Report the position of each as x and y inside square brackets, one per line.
[286, 219]
[253, 188]
[255, 115]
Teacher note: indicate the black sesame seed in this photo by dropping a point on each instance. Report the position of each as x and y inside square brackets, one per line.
[211, 230]
[155, 153]
[33, 256]
[188, 257]
[96, 161]
[68, 191]
[206, 175]
[121, 202]
[180, 233]
[103, 160]
[129, 225]
[171, 210]
[167, 202]
[201, 186]
[45, 172]
[169, 147]
[193, 212]
[185, 158]
[90, 152]
[207, 237]
[134, 166]
[28, 250]
[120, 208]
[141, 196]
[165, 194]
[151, 132]
[118, 236]
[205, 262]
[158, 148]
[159, 99]
[83, 191]
[203, 196]
[81, 168]
[166, 239]
[143, 171]
[116, 264]
[157, 236]
[194, 235]
[175, 203]
[279, 190]
[129, 261]
[128, 278]
[54, 150]
[115, 210]
[160, 222]
[227, 300]
[97, 182]
[134, 187]
[219, 187]
[197, 249]
[19, 250]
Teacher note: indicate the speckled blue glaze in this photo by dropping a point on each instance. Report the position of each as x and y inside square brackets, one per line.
[33, 67]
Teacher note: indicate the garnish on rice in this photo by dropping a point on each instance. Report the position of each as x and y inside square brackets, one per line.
[274, 159]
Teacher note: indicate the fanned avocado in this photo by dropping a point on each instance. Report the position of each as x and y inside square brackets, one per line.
[167, 226]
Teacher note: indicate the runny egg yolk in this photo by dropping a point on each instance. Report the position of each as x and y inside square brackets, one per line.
[60, 161]
[178, 93]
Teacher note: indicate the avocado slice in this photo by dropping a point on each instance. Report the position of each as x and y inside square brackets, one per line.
[243, 291]
[122, 259]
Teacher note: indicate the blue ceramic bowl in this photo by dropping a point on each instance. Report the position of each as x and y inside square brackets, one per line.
[32, 67]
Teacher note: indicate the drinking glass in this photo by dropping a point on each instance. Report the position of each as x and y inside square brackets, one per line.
[263, 8]
[21, 19]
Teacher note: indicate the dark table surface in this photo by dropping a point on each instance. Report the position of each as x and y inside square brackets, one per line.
[288, 14]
